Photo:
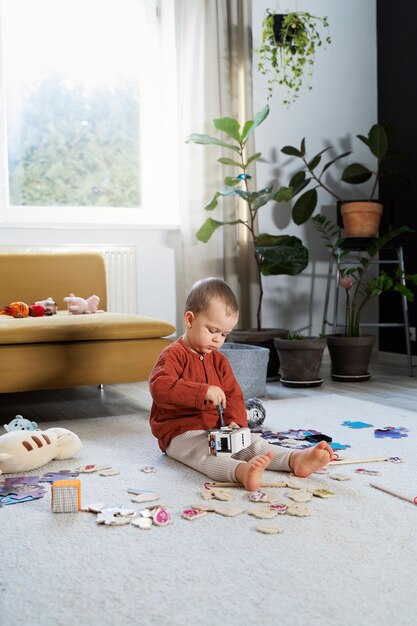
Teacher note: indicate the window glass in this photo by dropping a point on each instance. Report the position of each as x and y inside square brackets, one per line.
[81, 87]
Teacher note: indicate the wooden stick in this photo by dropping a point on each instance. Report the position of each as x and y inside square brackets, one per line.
[279, 484]
[355, 461]
[394, 493]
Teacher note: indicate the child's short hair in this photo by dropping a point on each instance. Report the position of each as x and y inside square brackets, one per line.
[203, 292]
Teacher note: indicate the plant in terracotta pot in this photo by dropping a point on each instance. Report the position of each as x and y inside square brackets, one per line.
[361, 218]
[300, 359]
[350, 352]
[273, 254]
[288, 47]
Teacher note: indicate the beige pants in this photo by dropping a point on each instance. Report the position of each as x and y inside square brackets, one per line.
[192, 449]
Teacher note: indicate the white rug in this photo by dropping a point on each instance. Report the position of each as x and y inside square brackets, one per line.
[351, 563]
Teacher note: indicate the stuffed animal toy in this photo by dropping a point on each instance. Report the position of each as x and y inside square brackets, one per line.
[22, 451]
[50, 305]
[36, 310]
[16, 309]
[20, 423]
[77, 305]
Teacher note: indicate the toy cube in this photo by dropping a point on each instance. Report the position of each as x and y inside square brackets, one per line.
[228, 440]
[66, 496]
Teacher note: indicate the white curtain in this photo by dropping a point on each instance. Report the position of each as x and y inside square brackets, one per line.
[214, 77]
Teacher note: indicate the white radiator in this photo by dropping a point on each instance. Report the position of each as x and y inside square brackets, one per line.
[120, 262]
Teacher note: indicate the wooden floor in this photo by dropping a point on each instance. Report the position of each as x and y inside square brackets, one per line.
[389, 385]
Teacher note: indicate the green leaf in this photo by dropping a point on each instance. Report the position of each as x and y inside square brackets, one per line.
[259, 117]
[284, 194]
[213, 202]
[231, 181]
[246, 130]
[281, 254]
[253, 158]
[314, 162]
[304, 208]
[341, 156]
[208, 140]
[291, 151]
[298, 178]
[228, 125]
[210, 226]
[378, 142]
[227, 161]
[356, 174]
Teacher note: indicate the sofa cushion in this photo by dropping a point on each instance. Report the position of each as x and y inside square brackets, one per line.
[94, 327]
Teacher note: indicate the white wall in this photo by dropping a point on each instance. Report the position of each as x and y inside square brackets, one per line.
[342, 103]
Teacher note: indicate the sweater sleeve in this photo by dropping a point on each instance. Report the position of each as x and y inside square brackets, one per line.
[169, 390]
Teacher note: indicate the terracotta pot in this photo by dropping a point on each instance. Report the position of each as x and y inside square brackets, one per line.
[300, 360]
[361, 218]
[265, 339]
[350, 357]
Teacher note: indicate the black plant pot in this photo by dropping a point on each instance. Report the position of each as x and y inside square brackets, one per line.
[300, 360]
[277, 27]
[350, 357]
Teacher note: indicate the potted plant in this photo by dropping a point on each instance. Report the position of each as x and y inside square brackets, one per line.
[350, 352]
[361, 218]
[288, 49]
[273, 254]
[300, 359]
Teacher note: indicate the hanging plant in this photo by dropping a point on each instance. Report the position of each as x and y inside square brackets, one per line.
[287, 53]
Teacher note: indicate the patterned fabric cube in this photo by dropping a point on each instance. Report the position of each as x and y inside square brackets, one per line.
[66, 496]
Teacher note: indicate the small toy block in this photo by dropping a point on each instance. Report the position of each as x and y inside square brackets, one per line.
[66, 496]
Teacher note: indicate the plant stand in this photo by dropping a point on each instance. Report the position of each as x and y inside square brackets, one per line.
[300, 361]
[249, 365]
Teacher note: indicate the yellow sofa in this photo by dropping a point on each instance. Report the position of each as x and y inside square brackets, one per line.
[67, 350]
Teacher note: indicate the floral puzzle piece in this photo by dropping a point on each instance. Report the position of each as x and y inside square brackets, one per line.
[323, 493]
[162, 517]
[87, 469]
[192, 514]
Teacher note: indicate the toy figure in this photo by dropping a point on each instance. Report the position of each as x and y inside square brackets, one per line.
[77, 305]
[50, 305]
[16, 309]
[20, 423]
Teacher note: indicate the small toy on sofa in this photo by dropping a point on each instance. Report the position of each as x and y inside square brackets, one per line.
[77, 305]
[49, 305]
[22, 451]
[20, 423]
[16, 309]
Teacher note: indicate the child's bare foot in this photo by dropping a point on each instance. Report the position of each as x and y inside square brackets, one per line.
[250, 473]
[305, 462]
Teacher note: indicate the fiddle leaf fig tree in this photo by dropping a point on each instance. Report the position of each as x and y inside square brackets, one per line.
[273, 254]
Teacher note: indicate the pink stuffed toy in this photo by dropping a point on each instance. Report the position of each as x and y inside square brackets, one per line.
[77, 305]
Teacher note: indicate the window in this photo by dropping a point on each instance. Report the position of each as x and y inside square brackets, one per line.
[89, 129]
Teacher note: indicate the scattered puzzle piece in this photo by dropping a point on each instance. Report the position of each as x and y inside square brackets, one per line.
[391, 431]
[144, 523]
[109, 472]
[302, 495]
[95, 507]
[339, 477]
[356, 424]
[162, 516]
[217, 494]
[145, 497]
[264, 512]
[192, 514]
[298, 509]
[228, 510]
[87, 469]
[148, 469]
[323, 493]
[269, 529]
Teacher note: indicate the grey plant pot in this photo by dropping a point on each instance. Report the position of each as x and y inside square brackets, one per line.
[249, 365]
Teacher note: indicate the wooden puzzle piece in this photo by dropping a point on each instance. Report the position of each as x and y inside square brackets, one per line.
[162, 516]
[87, 469]
[269, 529]
[146, 496]
[264, 512]
[192, 514]
[144, 523]
[95, 507]
[301, 495]
[228, 510]
[298, 509]
[339, 477]
[217, 494]
[109, 472]
[115, 516]
[323, 493]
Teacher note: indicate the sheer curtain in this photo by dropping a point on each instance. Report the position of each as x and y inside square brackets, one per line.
[214, 79]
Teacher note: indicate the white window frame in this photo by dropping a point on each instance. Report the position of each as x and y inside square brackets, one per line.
[159, 145]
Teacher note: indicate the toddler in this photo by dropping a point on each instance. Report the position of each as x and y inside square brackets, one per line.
[191, 377]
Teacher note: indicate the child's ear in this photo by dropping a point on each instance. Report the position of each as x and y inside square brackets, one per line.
[188, 318]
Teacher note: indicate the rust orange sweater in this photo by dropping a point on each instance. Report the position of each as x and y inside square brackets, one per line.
[178, 384]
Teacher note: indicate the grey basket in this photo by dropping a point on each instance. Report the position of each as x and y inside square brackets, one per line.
[249, 365]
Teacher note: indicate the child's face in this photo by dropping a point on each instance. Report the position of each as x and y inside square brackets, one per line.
[207, 330]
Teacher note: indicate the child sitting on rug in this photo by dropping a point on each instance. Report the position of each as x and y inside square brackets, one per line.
[192, 377]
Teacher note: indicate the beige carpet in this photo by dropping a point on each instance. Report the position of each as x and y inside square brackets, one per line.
[352, 562]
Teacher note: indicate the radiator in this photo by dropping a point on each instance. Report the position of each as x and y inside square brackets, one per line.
[120, 262]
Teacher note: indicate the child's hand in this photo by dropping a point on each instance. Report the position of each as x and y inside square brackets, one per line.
[216, 396]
